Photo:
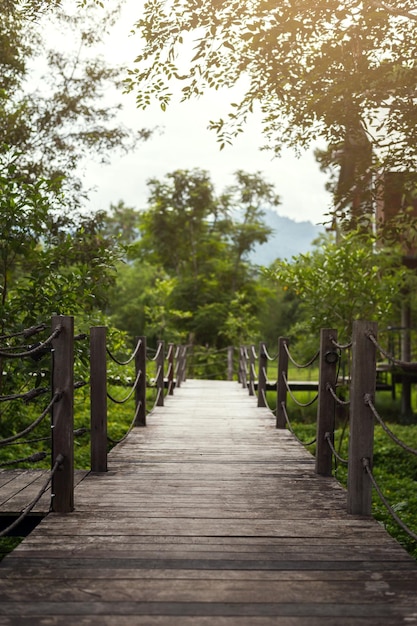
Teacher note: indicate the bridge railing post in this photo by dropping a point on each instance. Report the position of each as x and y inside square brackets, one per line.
[363, 384]
[230, 351]
[62, 413]
[170, 373]
[262, 374]
[244, 367]
[160, 358]
[328, 366]
[281, 422]
[140, 394]
[181, 364]
[252, 370]
[98, 399]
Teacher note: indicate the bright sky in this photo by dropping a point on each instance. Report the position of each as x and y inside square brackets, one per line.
[184, 142]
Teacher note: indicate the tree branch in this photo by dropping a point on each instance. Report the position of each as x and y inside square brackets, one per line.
[394, 10]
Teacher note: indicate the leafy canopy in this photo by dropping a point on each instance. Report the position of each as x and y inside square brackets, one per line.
[346, 280]
[323, 69]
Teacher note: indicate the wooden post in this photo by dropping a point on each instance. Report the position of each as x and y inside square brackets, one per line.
[281, 422]
[252, 370]
[98, 399]
[170, 375]
[230, 363]
[181, 364]
[329, 359]
[184, 364]
[160, 373]
[140, 396]
[62, 414]
[263, 364]
[359, 499]
[178, 367]
[244, 367]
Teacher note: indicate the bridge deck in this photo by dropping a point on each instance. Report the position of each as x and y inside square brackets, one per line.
[209, 516]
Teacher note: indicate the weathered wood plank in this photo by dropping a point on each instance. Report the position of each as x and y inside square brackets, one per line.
[24, 486]
[209, 517]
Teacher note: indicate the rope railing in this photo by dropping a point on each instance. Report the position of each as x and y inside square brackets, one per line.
[395, 517]
[100, 394]
[27, 396]
[32, 458]
[290, 428]
[390, 357]
[33, 425]
[399, 442]
[362, 410]
[270, 358]
[58, 463]
[294, 399]
[328, 437]
[130, 359]
[58, 346]
[130, 394]
[32, 350]
[335, 397]
[26, 332]
[310, 362]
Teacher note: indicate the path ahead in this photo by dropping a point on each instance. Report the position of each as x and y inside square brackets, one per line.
[209, 516]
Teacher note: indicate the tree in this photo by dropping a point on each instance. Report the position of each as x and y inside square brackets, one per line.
[340, 70]
[54, 127]
[332, 295]
[198, 242]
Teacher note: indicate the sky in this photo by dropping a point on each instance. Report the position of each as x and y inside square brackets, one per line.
[183, 141]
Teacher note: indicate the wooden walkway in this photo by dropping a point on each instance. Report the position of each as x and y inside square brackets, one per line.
[209, 517]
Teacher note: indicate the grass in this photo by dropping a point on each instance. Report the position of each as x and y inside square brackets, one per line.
[395, 469]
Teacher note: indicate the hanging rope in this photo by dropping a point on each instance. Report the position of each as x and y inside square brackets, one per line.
[28, 509]
[385, 502]
[298, 365]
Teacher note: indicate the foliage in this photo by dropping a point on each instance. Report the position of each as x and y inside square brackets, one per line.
[196, 284]
[394, 469]
[54, 127]
[344, 280]
[339, 70]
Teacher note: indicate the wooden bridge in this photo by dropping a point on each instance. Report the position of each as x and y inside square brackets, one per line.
[209, 516]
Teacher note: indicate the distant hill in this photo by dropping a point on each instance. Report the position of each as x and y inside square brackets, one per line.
[288, 239]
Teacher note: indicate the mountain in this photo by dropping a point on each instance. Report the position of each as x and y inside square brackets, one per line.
[288, 239]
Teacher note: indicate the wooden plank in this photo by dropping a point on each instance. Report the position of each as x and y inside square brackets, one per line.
[24, 486]
[209, 517]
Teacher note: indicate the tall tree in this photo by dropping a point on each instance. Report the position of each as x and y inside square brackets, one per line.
[340, 70]
[55, 124]
[200, 241]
